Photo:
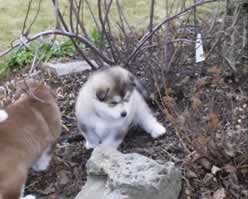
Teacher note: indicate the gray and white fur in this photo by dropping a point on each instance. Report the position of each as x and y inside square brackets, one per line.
[108, 104]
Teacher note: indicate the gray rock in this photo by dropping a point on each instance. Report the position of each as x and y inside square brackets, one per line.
[61, 69]
[113, 175]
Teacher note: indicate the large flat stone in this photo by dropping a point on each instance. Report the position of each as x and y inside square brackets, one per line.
[113, 175]
[61, 69]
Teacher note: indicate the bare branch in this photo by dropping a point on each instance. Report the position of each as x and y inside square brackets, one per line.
[71, 16]
[149, 34]
[103, 28]
[151, 18]
[93, 16]
[26, 18]
[80, 22]
[34, 19]
[57, 13]
[63, 33]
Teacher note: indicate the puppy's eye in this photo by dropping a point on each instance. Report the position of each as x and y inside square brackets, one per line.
[113, 103]
[102, 94]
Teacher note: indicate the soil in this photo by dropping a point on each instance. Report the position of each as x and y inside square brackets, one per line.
[196, 103]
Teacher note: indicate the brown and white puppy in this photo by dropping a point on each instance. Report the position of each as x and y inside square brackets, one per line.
[108, 104]
[29, 129]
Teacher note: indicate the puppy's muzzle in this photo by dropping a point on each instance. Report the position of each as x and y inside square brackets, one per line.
[123, 114]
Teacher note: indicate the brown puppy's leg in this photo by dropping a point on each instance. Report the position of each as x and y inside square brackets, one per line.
[13, 185]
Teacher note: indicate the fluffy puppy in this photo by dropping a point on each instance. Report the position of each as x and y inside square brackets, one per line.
[108, 104]
[28, 131]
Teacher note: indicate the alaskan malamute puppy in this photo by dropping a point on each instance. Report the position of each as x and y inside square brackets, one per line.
[108, 104]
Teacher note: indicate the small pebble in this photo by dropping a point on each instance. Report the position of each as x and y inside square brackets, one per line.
[237, 126]
[215, 169]
[239, 121]
[240, 109]
[243, 117]
[244, 105]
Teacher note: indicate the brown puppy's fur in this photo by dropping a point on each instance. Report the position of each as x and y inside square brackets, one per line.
[32, 126]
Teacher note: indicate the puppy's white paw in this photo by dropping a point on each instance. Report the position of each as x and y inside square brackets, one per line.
[158, 130]
[89, 145]
[3, 115]
[42, 163]
[40, 166]
[29, 197]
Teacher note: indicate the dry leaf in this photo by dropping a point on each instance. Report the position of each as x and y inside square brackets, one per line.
[230, 168]
[169, 101]
[215, 69]
[196, 102]
[219, 194]
[215, 170]
[213, 121]
[202, 82]
[205, 163]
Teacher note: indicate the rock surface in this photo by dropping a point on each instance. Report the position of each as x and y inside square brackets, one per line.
[61, 69]
[113, 175]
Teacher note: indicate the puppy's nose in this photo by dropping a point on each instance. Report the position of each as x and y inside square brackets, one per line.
[123, 114]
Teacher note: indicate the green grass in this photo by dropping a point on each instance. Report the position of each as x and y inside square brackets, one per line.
[12, 14]
[43, 52]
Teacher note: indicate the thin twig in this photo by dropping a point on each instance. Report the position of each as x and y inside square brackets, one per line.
[80, 22]
[93, 16]
[71, 16]
[26, 17]
[151, 18]
[148, 35]
[63, 33]
[57, 14]
[34, 60]
[121, 23]
[34, 19]
[104, 33]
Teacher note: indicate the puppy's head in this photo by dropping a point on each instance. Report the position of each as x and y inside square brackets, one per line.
[36, 90]
[114, 89]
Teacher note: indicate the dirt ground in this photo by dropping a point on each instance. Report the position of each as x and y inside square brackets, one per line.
[204, 108]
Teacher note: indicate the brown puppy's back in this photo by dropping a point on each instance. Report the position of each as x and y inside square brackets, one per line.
[33, 124]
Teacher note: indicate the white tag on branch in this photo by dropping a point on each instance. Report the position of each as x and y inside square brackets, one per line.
[199, 53]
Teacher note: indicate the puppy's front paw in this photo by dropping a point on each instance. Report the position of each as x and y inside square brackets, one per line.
[158, 131]
[42, 163]
[89, 145]
[29, 197]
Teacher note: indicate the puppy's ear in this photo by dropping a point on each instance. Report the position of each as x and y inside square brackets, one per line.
[102, 94]
[134, 82]
[45, 87]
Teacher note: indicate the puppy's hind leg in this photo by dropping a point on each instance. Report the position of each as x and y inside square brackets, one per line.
[43, 162]
[146, 120]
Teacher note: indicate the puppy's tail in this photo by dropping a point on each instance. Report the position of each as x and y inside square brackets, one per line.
[3, 117]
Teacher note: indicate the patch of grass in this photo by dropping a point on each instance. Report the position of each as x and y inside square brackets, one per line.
[43, 52]
[12, 14]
